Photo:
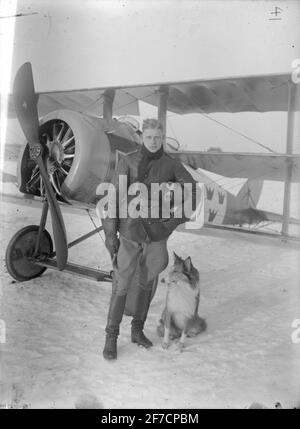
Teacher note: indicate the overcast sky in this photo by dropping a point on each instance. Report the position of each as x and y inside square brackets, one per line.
[87, 44]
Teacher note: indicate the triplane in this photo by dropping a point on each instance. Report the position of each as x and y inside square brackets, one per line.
[68, 154]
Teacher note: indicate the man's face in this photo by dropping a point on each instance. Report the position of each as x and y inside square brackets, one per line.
[152, 139]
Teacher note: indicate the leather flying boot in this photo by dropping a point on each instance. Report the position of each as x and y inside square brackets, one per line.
[115, 314]
[137, 323]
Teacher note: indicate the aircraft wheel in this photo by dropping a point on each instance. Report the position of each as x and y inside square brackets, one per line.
[21, 247]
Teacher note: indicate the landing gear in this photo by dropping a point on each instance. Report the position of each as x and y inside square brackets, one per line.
[22, 249]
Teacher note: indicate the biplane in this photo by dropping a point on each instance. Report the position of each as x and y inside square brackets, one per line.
[68, 153]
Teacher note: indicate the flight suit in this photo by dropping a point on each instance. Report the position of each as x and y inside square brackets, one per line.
[141, 250]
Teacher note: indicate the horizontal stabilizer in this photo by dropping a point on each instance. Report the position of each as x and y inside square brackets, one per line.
[255, 216]
[276, 217]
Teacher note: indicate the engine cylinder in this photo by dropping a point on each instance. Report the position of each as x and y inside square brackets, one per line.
[97, 142]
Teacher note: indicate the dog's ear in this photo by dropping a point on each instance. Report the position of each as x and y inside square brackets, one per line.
[176, 257]
[188, 264]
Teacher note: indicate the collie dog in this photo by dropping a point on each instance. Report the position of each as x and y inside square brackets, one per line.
[180, 316]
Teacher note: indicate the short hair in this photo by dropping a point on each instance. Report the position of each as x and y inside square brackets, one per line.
[152, 123]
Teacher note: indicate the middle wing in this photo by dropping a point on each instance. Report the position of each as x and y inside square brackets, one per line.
[244, 165]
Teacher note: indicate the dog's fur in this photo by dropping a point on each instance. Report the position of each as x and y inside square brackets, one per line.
[180, 316]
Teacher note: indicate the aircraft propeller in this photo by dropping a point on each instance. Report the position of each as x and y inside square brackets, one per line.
[25, 102]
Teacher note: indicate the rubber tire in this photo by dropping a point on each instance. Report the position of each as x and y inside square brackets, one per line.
[27, 270]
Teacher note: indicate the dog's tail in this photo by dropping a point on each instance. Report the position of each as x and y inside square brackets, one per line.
[197, 326]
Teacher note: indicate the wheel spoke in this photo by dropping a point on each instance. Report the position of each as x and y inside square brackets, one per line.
[67, 142]
[69, 156]
[48, 141]
[63, 171]
[70, 150]
[67, 135]
[57, 181]
[54, 131]
[54, 184]
[67, 163]
[60, 132]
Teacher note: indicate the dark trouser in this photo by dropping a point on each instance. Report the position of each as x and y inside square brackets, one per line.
[141, 262]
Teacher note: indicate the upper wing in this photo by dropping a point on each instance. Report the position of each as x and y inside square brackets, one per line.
[85, 101]
[247, 165]
[232, 94]
[240, 94]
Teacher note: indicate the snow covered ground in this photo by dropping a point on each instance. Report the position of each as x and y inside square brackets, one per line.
[52, 357]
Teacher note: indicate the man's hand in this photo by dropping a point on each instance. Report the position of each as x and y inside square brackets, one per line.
[112, 244]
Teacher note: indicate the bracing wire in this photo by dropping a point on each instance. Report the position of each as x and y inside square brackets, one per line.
[94, 223]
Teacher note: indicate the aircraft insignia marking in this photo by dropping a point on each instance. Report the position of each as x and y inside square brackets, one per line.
[221, 197]
[209, 193]
[211, 215]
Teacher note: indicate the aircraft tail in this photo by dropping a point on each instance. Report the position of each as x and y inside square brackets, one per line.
[249, 194]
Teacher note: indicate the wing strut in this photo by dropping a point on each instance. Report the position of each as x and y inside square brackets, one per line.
[163, 94]
[293, 94]
[108, 97]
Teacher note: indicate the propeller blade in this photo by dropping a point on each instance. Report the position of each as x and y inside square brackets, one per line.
[25, 101]
[58, 226]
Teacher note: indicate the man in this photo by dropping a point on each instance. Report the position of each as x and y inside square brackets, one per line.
[138, 244]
